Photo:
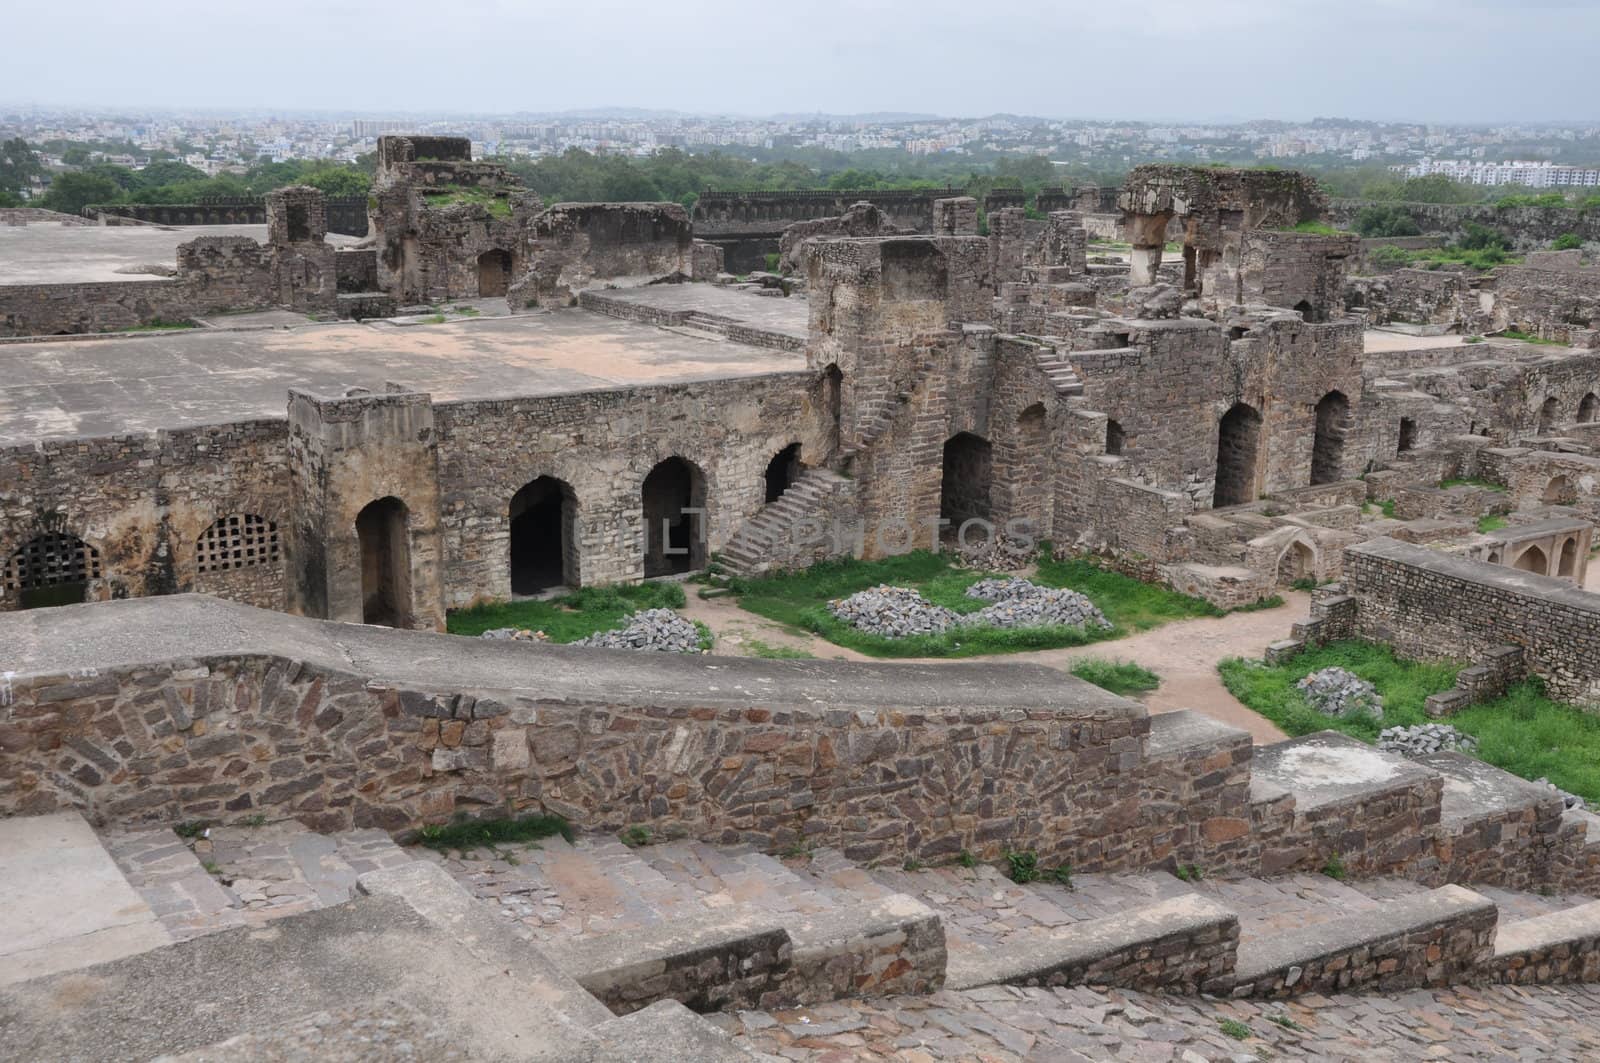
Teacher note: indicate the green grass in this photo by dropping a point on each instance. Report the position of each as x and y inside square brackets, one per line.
[499, 206]
[1235, 1029]
[1470, 481]
[1523, 732]
[799, 600]
[571, 616]
[1491, 522]
[1528, 337]
[156, 325]
[758, 648]
[487, 833]
[1320, 227]
[1119, 677]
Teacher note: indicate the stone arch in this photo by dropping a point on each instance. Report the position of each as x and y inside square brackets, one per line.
[1568, 564]
[1327, 446]
[782, 471]
[1560, 491]
[238, 540]
[52, 568]
[1306, 310]
[1533, 559]
[1238, 454]
[1116, 438]
[1588, 408]
[1298, 561]
[674, 534]
[542, 550]
[1549, 414]
[494, 272]
[965, 478]
[383, 529]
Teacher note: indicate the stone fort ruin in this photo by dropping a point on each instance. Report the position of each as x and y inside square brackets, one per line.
[270, 514]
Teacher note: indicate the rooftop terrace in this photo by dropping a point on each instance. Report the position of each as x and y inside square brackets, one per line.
[46, 253]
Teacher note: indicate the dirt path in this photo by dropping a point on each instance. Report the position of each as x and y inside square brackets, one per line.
[1183, 653]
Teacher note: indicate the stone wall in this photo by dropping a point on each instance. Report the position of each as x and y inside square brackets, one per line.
[346, 214]
[1549, 303]
[572, 245]
[1434, 605]
[1530, 228]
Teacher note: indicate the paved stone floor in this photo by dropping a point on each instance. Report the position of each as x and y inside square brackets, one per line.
[1000, 1024]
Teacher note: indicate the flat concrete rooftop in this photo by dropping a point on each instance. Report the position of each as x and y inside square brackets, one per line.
[138, 383]
[46, 253]
[787, 316]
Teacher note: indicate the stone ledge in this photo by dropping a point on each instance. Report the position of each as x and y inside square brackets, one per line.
[894, 945]
[1429, 939]
[1560, 947]
[1181, 944]
[666, 1030]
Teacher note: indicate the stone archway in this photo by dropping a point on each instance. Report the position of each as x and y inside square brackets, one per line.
[1560, 491]
[965, 479]
[1588, 408]
[543, 547]
[782, 471]
[1238, 452]
[1568, 564]
[1327, 446]
[1549, 414]
[51, 569]
[673, 498]
[1534, 560]
[494, 273]
[383, 529]
[1297, 562]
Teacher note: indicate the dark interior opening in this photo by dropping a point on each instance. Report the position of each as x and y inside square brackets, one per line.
[1238, 440]
[965, 481]
[541, 517]
[52, 569]
[782, 471]
[1327, 449]
[1115, 438]
[674, 540]
[1408, 433]
[385, 563]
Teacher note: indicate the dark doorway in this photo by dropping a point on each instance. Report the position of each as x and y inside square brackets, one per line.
[542, 514]
[782, 471]
[382, 528]
[1327, 449]
[674, 538]
[964, 484]
[1238, 443]
[52, 569]
[1307, 311]
[494, 273]
[1549, 413]
[1408, 434]
[1533, 560]
[1115, 438]
[1588, 408]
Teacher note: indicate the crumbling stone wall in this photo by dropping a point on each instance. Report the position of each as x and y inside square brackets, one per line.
[573, 245]
[862, 219]
[1529, 228]
[1301, 271]
[1552, 304]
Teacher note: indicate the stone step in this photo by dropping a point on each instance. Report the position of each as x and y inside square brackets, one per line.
[64, 904]
[1561, 946]
[740, 877]
[1493, 826]
[283, 868]
[188, 899]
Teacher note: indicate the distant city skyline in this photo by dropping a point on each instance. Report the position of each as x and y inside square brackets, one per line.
[1228, 61]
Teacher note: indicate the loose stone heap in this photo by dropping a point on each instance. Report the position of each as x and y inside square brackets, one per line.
[896, 612]
[999, 552]
[1020, 603]
[649, 629]
[1425, 738]
[1336, 692]
[1571, 799]
[515, 634]
[893, 612]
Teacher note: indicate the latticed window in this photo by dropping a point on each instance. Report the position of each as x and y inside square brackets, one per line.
[238, 541]
[51, 560]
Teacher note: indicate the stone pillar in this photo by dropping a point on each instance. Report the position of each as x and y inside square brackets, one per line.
[1007, 240]
[1148, 234]
[955, 217]
[347, 454]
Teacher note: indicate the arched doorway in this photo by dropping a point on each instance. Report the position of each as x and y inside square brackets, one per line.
[51, 569]
[1307, 311]
[1560, 491]
[382, 528]
[967, 474]
[1568, 565]
[1298, 562]
[494, 272]
[782, 471]
[1588, 408]
[1408, 434]
[674, 497]
[1116, 439]
[1549, 413]
[1533, 559]
[542, 547]
[1238, 445]
[1327, 449]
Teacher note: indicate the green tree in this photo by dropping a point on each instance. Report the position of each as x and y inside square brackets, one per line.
[1567, 242]
[158, 174]
[1386, 221]
[339, 181]
[71, 192]
[19, 165]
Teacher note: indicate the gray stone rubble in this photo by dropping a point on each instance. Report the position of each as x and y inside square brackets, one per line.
[1572, 800]
[899, 612]
[1424, 738]
[649, 629]
[1337, 692]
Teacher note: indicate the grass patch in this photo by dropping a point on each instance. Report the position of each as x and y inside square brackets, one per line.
[156, 325]
[487, 833]
[799, 600]
[758, 648]
[1527, 337]
[1523, 732]
[1470, 481]
[1235, 1029]
[571, 616]
[1119, 677]
[499, 206]
[1491, 522]
[1334, 868]
[1320, 227]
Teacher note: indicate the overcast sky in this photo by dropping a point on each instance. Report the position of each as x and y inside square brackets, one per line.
[1442, 60]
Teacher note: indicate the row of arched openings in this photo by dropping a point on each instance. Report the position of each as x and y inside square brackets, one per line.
[1550, 412]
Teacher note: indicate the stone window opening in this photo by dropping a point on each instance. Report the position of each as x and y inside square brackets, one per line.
[1589, 409]
[1568, 565]
[1298, 562]
[494, 273]
[1307, 311]
[51, 569]
[1327, 448]
[782, 471]
[674, 537]
[1408, 434]
[1533, 560]
[966, 478]
[543, 548]
[383, 530]
[240, 540]
[1560, 491]
[1549, 413]
[1116, 438]
[299, 222]
[1238, 446]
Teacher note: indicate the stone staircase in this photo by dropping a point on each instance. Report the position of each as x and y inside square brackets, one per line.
[1063, 377]
[781, 523]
